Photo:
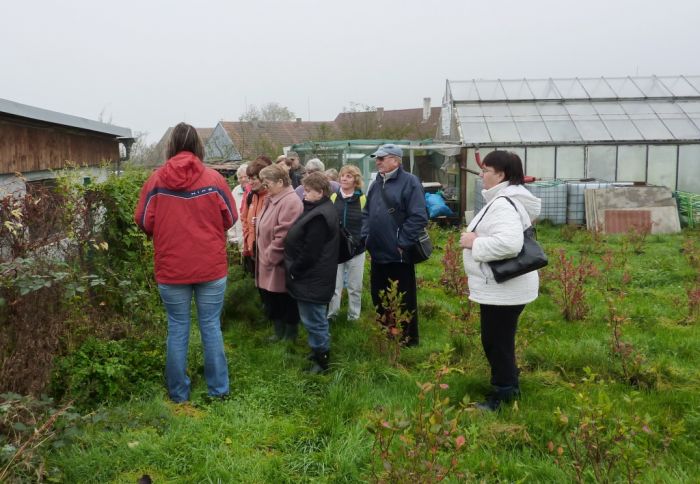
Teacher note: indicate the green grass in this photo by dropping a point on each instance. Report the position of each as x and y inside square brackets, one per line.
[282, 425]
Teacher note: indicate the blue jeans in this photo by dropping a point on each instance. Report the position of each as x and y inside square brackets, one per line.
[313, 316]
[209, 297]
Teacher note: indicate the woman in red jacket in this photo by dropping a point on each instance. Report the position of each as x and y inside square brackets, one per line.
[187, 209]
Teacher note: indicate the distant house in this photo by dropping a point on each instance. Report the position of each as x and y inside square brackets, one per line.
[413, 124]
[35, 141]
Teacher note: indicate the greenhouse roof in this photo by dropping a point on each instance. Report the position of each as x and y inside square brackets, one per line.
[580, 110]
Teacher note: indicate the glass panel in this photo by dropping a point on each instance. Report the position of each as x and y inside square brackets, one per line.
[543, 89]
[555, 109]
[679, 86]
[597, 88]
[651, 87]
[490, 90]
[499, 109]
[516, 89]
[689, 168]
[540, 162]
[532, 131]
[562, 129]
[694, 81]
[681, 127]
[662, 166]
[608, 108]
[621, 128]
[690, 107]
[592, 130]
[631, 163]
[580, 109]
[666, 108]
[570, 89]
[475, 132]
[570, 162]
[651, 128]
[524, 109]
[503, 131]
[636, 107]
[601, 162]
[463, 91]
[624, 87]
[469, 110]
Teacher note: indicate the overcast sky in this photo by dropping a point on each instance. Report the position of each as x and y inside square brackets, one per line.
[150, 64]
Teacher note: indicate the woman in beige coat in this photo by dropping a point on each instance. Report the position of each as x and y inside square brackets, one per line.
[281, 209]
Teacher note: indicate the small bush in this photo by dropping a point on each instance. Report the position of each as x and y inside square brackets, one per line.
[101, 371]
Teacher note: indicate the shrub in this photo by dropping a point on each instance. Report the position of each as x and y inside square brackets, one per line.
[570, 278]
[390, 321]
[103, 370]
[453, 278]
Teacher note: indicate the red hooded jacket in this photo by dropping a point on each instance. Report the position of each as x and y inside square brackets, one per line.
[187, 209]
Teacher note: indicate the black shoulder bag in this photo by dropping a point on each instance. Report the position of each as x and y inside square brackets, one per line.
[530, 258]
[422, 248]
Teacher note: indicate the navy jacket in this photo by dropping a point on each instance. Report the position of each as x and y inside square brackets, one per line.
[383, 235]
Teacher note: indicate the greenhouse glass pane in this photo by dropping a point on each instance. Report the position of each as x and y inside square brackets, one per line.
[540, 162]
[570, 162]
[592, 130]
[532, 131]
[690, 107]
[651, 87]
[679, 86]
[631, 163]
[689, 168]
[570, 89]
[636, 107]
[665, 108]
[694, 81]
[463, 91]
[562, 129]
[516, 89]
[624, 87]
[543, 89]
[608, 108]
[490, 90]
[469, 110]
[651, 128]
[552, 109]
[597, 88]
[681, 127]
[497, 109]
[524, 109]
[621, 128]
[580, 109]
[662, 166]
[475, 132]
[503, 131]
[601, 162]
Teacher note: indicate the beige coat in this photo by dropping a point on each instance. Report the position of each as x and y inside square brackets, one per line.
[278, 215]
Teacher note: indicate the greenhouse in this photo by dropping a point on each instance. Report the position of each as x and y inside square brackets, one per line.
[623, 129]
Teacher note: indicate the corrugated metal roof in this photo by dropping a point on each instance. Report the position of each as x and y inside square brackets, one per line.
[589, 110]
[31, 112]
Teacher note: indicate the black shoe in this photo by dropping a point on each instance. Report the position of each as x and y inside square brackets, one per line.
[279, 328]
[499, 396]
[291, 331]
[320, 362]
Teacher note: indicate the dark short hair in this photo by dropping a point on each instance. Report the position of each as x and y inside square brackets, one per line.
[258, 164]
[184, 138]
[317, 181]
[508, 163]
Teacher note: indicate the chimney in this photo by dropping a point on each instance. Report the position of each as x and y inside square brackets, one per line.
[426, 109]
[380, 114]
[298, 120]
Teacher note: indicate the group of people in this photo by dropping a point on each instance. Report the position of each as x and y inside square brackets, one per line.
[292, 221]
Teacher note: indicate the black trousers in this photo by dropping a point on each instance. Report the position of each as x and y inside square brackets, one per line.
[280, 306]
[381, 274]
[498, 326]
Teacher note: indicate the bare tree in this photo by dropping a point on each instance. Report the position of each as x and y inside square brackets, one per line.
[271, 111]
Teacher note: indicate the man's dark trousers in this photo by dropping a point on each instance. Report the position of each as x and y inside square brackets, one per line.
[405, 273]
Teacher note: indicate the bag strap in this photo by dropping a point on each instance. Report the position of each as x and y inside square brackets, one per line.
[392, 210]
[489, 206]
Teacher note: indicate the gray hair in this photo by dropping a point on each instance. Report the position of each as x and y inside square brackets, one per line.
[242, 169]
[314, 164]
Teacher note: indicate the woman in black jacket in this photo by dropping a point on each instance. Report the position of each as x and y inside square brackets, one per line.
[311, 258]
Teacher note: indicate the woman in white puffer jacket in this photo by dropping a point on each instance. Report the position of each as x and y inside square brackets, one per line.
[499, 235]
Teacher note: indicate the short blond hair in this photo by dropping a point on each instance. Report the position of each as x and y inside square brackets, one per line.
[355, 172]
[275, 173]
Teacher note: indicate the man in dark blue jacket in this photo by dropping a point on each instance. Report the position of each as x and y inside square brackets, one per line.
[392, 220]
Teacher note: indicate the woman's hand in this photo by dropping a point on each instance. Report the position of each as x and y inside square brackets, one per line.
[467, 240]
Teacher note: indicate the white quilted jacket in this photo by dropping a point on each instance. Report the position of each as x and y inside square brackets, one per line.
[500, 236]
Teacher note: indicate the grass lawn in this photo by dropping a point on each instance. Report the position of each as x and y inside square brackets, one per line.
[282, 425]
